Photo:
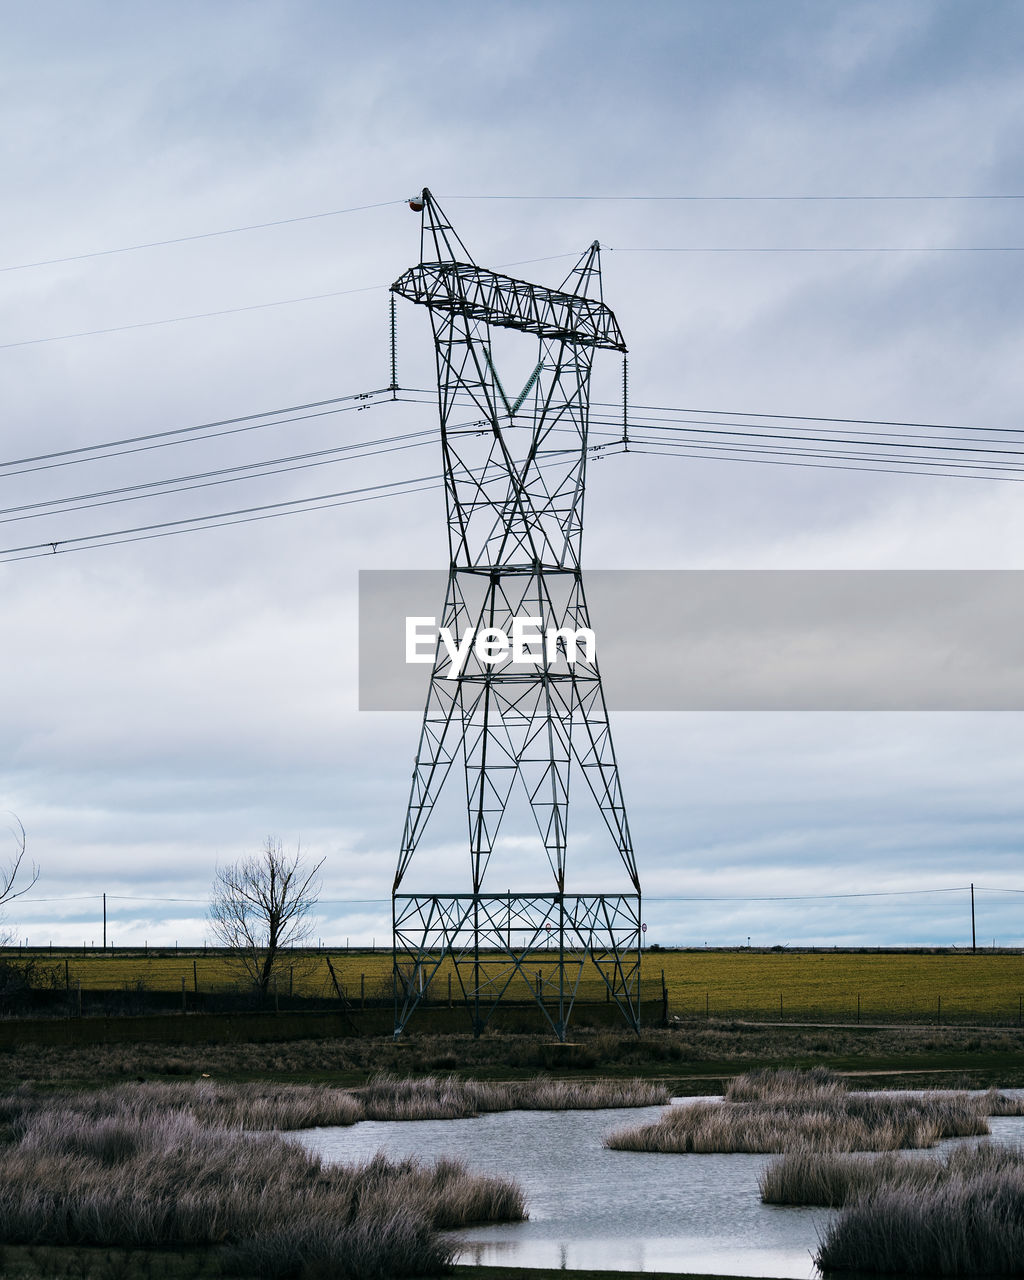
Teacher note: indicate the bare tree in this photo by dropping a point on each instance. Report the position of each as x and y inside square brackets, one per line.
[15, 877]
[263, 903]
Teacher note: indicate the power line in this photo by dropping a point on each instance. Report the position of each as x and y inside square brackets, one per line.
[749, 431]
[199, 315]
[202, 235]
[947, 248]
[741, 198]
[993, 468]
[784, 897]
[76, 452]
[1003, 439]
[230, 311]
[248, 515]
[373, 288]
[920, 448]
[383, 204]
[412, 485]
[815, 897]
[210, 479]
[709, 437]
[824, 466]
[245, 515]
[805, 417]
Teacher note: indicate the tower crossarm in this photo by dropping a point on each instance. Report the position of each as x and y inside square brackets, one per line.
[463, 289]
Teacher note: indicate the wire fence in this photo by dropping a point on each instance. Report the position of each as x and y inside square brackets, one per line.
[837, 988]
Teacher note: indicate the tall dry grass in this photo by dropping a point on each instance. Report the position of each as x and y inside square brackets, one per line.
[229, 1106]
[193, 1164]
[142, 1177]
[834, 1180]
[960, 1216]
[774, 1111]
[259, 1106]
[785, 1084]
[387, 1097]
[997, 1103]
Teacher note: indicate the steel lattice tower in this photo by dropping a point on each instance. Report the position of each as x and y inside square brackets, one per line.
[514, 482]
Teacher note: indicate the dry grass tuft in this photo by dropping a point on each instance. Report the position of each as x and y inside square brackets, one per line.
[960, 1216]
[784, 1085]
[261, 1105]
[148, 1177]
[192, 1164]
[834, 1180]
[1003, 1104]
[787, 1110]
[447, 1097]
[227, 1106]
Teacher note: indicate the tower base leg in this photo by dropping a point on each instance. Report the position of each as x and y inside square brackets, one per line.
[544, 949]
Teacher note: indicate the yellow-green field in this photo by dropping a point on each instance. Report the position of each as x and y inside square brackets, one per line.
[830, 983]
[361, 975]
[718, 983]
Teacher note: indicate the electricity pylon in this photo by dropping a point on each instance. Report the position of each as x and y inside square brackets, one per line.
[514, 483]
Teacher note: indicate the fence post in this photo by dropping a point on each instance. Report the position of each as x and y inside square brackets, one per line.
[939, 1022]
[858, 1006]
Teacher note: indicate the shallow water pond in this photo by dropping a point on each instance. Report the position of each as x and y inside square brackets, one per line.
[590, 1207]
[615, 1210]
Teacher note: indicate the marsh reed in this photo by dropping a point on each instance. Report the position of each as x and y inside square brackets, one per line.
[139, 1177]
[775, 1111]
[958, 1216]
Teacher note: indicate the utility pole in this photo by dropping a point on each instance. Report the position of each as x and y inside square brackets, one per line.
[104, 922]
[974, 938]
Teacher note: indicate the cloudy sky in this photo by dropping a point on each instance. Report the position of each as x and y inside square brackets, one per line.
[165, 703]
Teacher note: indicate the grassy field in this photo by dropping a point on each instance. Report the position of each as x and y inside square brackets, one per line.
[839, 985]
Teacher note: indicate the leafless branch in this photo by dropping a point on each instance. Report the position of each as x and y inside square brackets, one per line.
[14, 866]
